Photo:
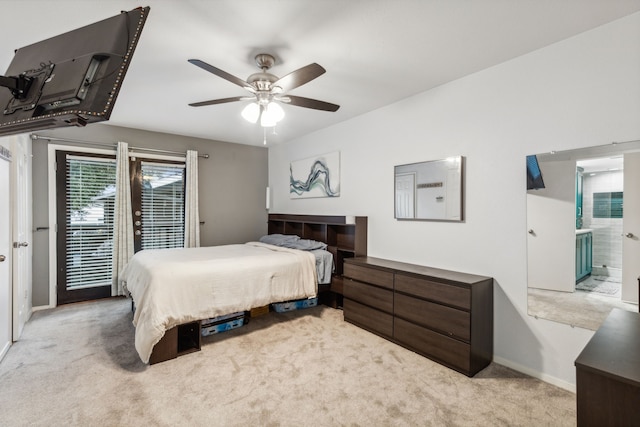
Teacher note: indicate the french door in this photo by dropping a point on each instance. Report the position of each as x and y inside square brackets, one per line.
[157, 201]
[5, 256]
[85, 213]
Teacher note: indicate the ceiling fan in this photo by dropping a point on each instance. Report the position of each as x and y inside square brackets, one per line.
[267, 90]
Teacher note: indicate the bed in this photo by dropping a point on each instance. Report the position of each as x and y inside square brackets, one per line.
[173, 290]
[171, 287]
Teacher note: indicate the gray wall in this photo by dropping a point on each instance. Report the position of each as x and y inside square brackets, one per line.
[232, 184]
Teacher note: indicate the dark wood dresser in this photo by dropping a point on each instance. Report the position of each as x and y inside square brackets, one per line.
[608, 373]
[444, 315]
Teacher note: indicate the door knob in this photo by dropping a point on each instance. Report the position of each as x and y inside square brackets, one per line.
[629, 235]
[2, 258]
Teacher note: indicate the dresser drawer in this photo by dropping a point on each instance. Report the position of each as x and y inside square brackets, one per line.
[368, 318]
[445, 350]
[451, 321]
[369, 275]
[435, 291]
[373, 296]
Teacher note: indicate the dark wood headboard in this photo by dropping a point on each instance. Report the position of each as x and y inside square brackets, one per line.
[345, 236]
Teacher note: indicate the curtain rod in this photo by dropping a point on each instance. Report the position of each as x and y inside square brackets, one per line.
[110, 144]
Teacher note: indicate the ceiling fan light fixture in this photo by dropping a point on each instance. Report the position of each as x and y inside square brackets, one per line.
[271, 115]
[251, 112]
[276, 111]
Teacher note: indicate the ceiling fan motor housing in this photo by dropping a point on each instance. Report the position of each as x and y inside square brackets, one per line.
[262, 81]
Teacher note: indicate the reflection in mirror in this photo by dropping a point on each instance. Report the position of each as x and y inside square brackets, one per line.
[583, 225]
[429, 190]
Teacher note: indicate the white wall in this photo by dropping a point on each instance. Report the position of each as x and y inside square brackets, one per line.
[581, 92]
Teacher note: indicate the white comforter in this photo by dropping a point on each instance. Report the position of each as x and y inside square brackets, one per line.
[175, 286]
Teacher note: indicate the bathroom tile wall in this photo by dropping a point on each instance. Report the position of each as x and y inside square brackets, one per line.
[607, 232]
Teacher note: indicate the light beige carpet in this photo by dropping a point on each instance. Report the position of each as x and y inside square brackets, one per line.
[582, 309]
[76, 365]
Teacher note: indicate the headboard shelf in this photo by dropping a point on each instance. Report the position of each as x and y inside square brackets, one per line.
[345, 236]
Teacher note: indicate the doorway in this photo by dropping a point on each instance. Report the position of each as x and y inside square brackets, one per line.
[84, 183]
[5, 253]
[607, 213]
[85, 187]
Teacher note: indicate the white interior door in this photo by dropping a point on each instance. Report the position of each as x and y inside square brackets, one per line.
[22, 232]
[631, 228]
[405, 195]
[551, 238]
[5, 255]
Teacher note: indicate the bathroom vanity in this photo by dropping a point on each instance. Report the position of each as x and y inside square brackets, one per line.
[584, 253]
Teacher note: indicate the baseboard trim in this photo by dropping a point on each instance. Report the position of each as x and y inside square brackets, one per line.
[4, 350]
[539, 375]
[41, 307]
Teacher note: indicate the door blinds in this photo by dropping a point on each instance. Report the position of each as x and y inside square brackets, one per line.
[162, 198]
[89, 196]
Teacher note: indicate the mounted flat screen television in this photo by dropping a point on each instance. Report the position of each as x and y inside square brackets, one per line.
[72, 79]
[534, 174]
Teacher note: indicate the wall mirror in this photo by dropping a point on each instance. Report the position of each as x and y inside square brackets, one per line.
[430, 190]
[583, 233]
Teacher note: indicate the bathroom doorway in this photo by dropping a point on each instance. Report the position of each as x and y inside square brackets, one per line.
[602, 212]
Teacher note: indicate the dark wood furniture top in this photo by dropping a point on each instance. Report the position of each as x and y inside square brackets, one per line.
[444, 315]
[608, 373]
[435, 273]
[614, 350]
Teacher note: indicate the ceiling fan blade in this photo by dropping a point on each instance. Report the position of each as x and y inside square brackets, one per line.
[300, 101]
[220, 101]
[299, 77]
[218, 72]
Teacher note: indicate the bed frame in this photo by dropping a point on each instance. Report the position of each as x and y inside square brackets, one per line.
[346, 237]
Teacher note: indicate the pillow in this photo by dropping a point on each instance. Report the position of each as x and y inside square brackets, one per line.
[292, 241]
[307, 245]
[279, 239]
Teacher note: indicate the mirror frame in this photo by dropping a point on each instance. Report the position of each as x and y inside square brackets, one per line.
[443, 178]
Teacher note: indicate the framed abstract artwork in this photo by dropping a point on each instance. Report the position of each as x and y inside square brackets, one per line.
[317, 176]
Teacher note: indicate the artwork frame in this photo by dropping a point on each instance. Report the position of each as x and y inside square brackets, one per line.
[317, 176]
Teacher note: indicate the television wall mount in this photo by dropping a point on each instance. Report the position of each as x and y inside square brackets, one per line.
[28, 98]
[19, 86]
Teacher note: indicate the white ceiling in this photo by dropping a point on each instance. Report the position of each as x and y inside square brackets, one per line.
[375, 52]
[604, 164]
